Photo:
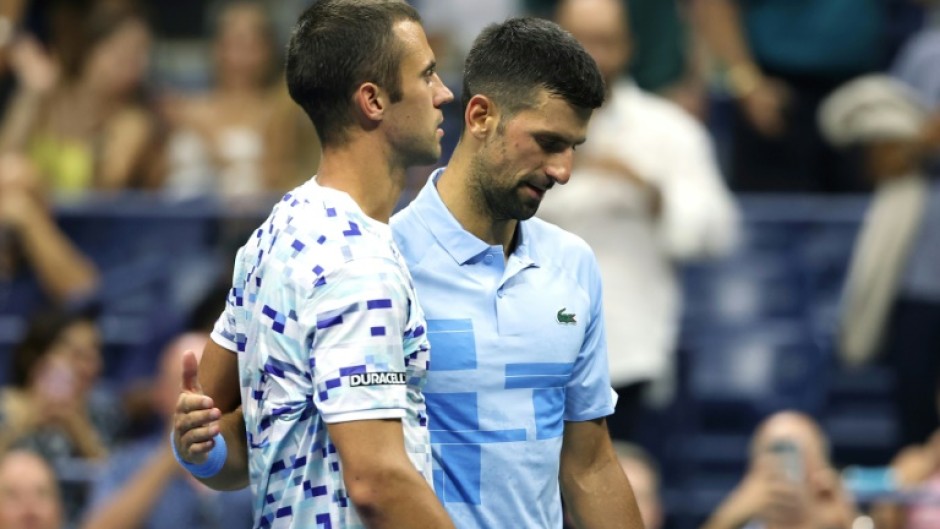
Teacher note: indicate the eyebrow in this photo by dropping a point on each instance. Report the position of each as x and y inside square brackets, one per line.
[553, 136]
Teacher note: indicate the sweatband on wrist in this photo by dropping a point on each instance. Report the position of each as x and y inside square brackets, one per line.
[212, 465]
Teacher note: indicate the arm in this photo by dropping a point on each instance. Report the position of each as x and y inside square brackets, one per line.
[762, 99]
[367, 423]
[700, 217]
[381, 480]
[734, 512]
[593, 484]
[46, 248]
[200, 415]
[129, 505]
[764, 494]
[719, 22]
[38, 74]
[125, 146]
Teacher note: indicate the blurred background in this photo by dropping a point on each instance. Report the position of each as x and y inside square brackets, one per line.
[761, 190]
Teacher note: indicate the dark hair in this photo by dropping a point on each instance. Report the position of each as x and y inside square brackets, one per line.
[43, 331]
[96, 25]
[336, 46]
[509, 61]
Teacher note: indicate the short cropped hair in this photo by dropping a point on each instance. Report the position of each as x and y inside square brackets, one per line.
[336, 46]
[510, 61]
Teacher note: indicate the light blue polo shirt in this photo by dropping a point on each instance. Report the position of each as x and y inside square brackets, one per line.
[517, 347]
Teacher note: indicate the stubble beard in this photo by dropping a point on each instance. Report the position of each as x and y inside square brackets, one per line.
[415, 150]
[491, 197]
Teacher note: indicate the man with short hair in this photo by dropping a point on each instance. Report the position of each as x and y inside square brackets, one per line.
[29, 492]
[518, 389]
[322, 343]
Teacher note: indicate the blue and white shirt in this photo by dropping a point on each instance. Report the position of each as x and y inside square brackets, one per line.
[519, 349]
[324, 319]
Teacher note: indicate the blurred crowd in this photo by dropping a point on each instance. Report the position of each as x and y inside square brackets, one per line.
[709, 101]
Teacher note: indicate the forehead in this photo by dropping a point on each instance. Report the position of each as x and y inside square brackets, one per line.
[415, 50]
[806, 437]
[551, 114]
[20, 468]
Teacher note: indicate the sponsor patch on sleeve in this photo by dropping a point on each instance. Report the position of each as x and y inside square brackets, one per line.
[378, 379]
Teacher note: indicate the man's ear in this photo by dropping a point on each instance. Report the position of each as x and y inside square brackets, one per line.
[371, 101]
[481, 116]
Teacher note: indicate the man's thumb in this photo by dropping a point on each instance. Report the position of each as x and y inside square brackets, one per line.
[191, 373]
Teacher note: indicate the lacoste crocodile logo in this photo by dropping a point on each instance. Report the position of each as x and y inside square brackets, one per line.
[566, 318]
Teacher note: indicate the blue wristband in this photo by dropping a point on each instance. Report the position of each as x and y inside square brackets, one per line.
[212, 465]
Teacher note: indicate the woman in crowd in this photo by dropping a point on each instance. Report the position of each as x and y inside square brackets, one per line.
[78, 115]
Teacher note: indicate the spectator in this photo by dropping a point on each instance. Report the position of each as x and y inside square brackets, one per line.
[664, 56]
[782, 58]
[892, 294]
[789, 482]
[82, 122]
[646, 194]
[243, 137]
[51, 405]
[143, 487]
[29, 493]
[915, 474]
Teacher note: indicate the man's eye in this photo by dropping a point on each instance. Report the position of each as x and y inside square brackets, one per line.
[552, 146]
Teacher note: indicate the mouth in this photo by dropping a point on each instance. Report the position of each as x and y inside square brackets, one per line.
[536, 191]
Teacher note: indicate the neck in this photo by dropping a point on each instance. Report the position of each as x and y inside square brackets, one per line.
[467, 205]
[374, 182]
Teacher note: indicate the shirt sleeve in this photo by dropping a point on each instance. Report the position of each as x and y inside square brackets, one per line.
[699, 217]
[225, 332]
[588, 394]
[358, 315]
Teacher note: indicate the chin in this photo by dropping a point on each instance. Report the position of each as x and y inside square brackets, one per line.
[526, 212]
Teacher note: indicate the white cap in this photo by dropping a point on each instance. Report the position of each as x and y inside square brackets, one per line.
[871, 108]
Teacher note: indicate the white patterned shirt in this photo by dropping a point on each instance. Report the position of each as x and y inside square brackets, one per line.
[323, 317]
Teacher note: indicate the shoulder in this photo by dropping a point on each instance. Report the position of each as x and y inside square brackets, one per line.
[411, 232]
[560, 248]
[315, 231]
